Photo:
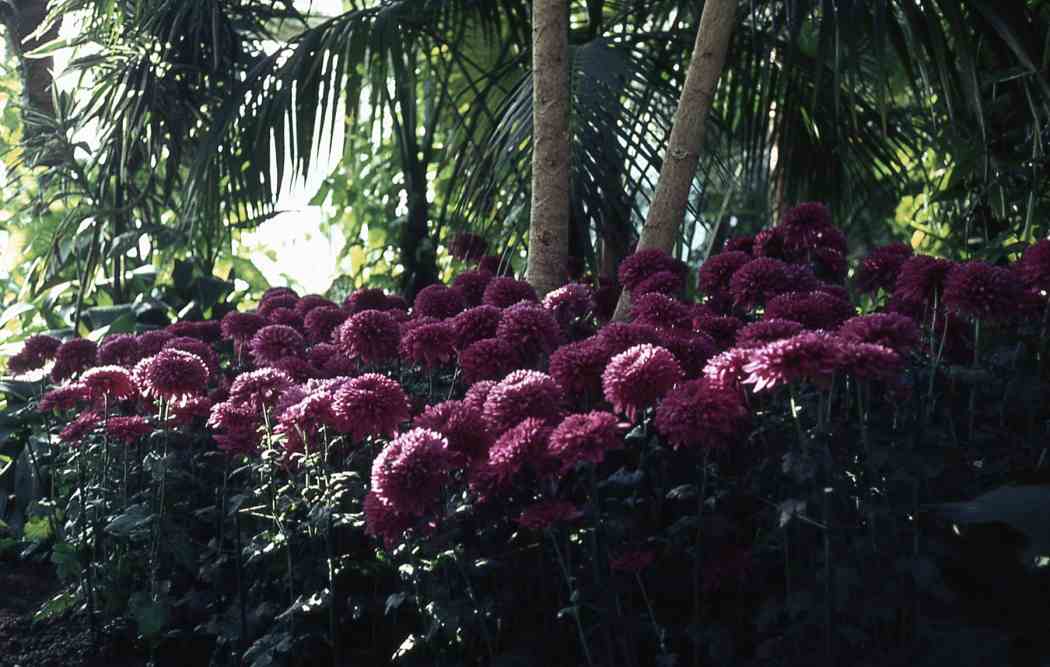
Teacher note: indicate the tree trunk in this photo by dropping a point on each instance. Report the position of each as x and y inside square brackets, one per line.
[22, 18]
[667, 209]
[549, 224]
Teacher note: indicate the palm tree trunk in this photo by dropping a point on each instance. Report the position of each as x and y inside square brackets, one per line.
[22, 18]
[549, 224]
[667, 209]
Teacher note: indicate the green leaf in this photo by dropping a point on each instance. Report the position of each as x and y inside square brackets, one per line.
[150, 615]
[14, 311]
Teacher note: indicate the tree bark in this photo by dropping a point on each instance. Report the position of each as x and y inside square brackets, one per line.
[668, 207]
[549, 224]
[21, 19]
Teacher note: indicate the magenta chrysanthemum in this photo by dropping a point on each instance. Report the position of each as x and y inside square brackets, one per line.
[897, 332]
[757, 281]
[920, 279]
[472, 284]
[198, 347]
[409, 473]
[739, 244]
[72, 357]
[637, 378]
[268, 305]
[722, 329]
[80, 427]
[815, 310]
[804, 227]
[279, 290]
[661, 282]
[691, 350]
[1034, 267]
[715, 273]
[868, 361]
[429, 345]
[476, 324]
[530, 328]
[384, 522]
[811, 356]
[545, 514]
[128, 429]
[660, 310]
[312, 301]
[370, 404]
[477, 394]
[982, 291]
[488, 359]
[274, 342]
[727, 369]
[35, 353]
[370, 335]
[702, 413]
[461, 424]
[119, 350]
[288, 317]
[570, 302]
[321, 322]
[578, 367]
[152, 342]
[585, 438]
[260, 388]
[65, 397]
[504, 292]
[171, 375]
[519, 447]
[879, 270]
[365, 299]
[438, 301]
[645, 263]
[328, 361]
[112, 382]
[768, 243]
[521, 395]
[619, 336]
[186, 411]
[766, 331]
[208, 331]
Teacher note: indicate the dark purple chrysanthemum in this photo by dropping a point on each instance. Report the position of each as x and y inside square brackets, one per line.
[186, 411]
[521, 395]
[198, 347]
[72, 357]
[523, 446]
[409, 473]
[382, 521]
[260, 388]
[268, 305]
[152, 342]
[1034, 267]
[461, 424]
[661, 282]
[620, 336]
[702, 413]
[429, 345]
[370, 335]
[312, 301]
[472, 284]
[289, 317]
[721, 329]
[982, 291]
[766, 331]
[801, 278]
[868, 361]
[547, 513]
[119, 350]
[803, 225]
[297, 368]
[578, 367]
[605, 298]
[279, 291]
[892, 330]
[208, 331]
[530, 328]
[171, 375]
[829, 264]
[320, 323]
[328, 361]
[921, 279]
[488, 359]
[812, 356]
[757, 281]
[504, 292]
[240, 424]
[638, 377]
[645, 263]
[475, 324]
[112, 382]
[815, 310]
[128, 429]
[660, 310]
[739, 244]
[80, 427]
[365, 299]
[715, 273]
[466, 246]
[585, 438]
[438, 301]
[768, 243]
[570, 302]
[41, 346]
[64, 397]
[879, 270]
[370, 404]
[691, 350]
[276, 341]
[492, 264]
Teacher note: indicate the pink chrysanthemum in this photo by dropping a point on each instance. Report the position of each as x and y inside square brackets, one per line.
[297, 368]
[661, 282]
[766, 331]
[152, 342]
[577, 367]
[521, 395]
[715, 273]
[769, 243]
[409, 473]
[112, 382]
[757, 281]
[276, 341]
[530, 328]
[472, 284]
[920, 279]
[879, 270]
[467, 246]
[119, 350]
[320, 323]
[801, 278]
[982, 291]
[429, 345]
[727, 369]
[691, 350]
[198, 347]
[475, 324]
[829, 264]
[370, 404]
[812, 356]
[619, 336]
[461, 424]
[805, 226]
[477, 395]
[268, 305]
[815, 310]
[171, 375]
[186, 411]
[77, 429]
[488, 359]
[370, 335]
[128, 429]
[65, 397]
[306, 417]
[868, 361]
[503, 292]
[585, 438]
[702, 413]
[645, 263]
[660, 310]
[438, 301]
[72, 357]
[1034, 267]
[722, 329]
[637, 378]
[260, 388]
[897, 332]
[543, 515]
[384, 522]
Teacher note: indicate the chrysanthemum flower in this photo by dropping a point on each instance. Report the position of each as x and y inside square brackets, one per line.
[472, 284]
[521, 395]
[661, 282]
[757, 281]
[72, 357]
[112, 382]
[461, 424]
[475, 324]
[276, 341]
[171, 375]
[801, 278]
[268, 305]
[409, 473]
[208, 331]
[605, 299]
[35, 353]
[982, 291]
[727, 369]
[739, 244]
[260, 388]
[766, 331]
[370, 404]
[288, 317]
[492, 264]
[1034, 267]
[644, 263]
[637, 378]
[920, 279]
[543, 515]
[370, 335]
[186, 411]
[691, 350]
[879, 270]
[64, 397]
[808, 226]
[585, 438]
[279, 291]
[382, 521]
[868, 361]
[521, 447]
[128, 429]
[119, 350]
[702, 413]
[715, 273]
[722, 329]
[660, 310]
[328, 361]
[198, 347]
[297, 368]
[503, 292]
[363, 299]
[619, 336]
[466, 246]
[570, 302]
[488, 359]
[438, 301]
[577, 367]
[897, 332]
[829, 264]
[812, 356]
[152, 342]
[813, 310]
[530, 328]
[769, 243]
[80, 427]
[321, 322]
[312, 301]
[429, 345]
[477, 394]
